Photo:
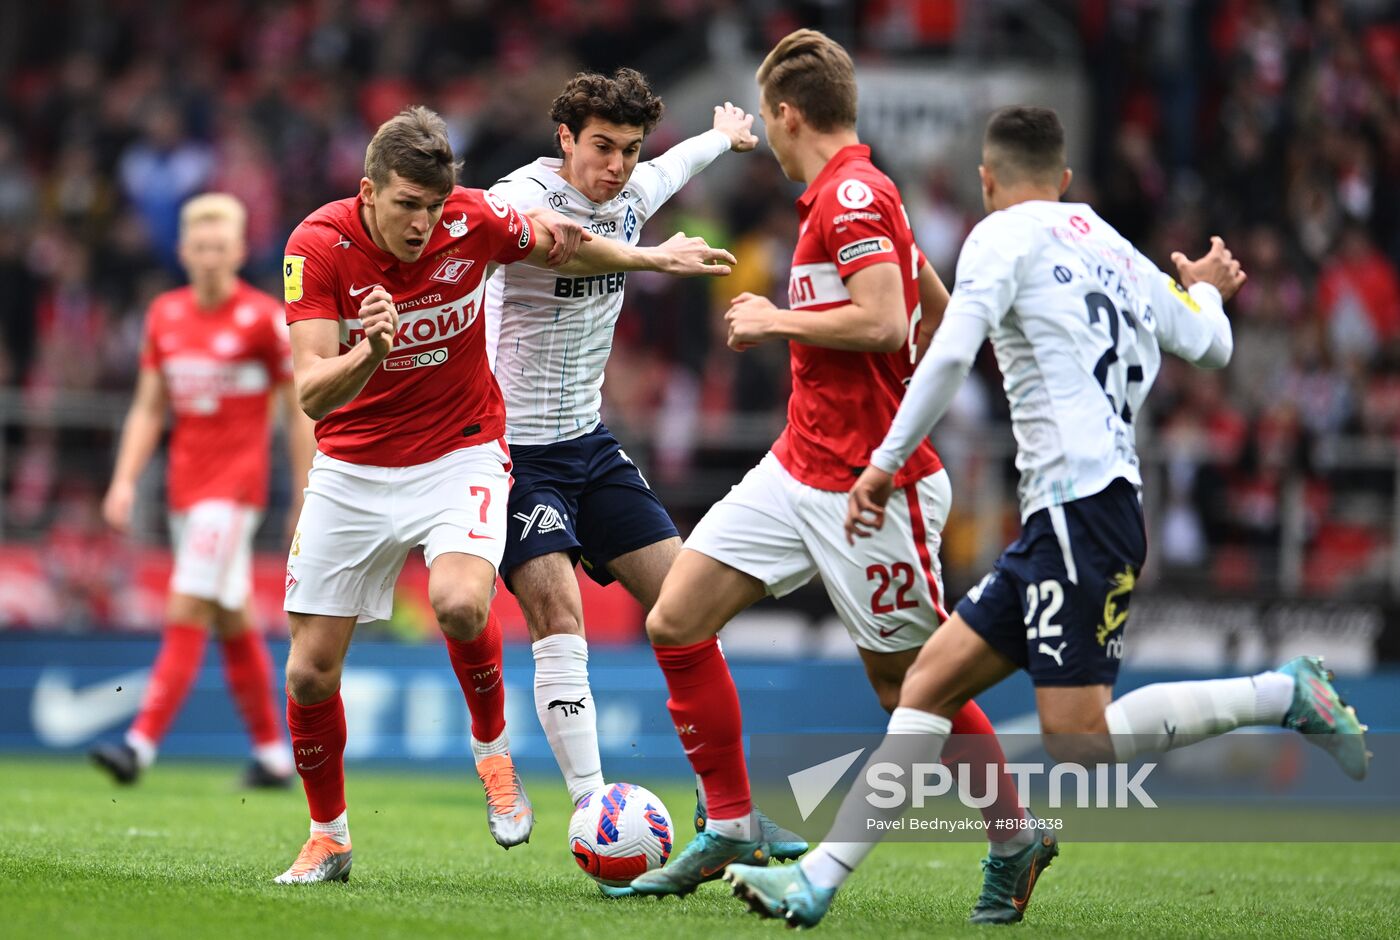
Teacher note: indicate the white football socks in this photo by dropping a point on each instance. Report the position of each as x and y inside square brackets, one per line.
[275, 757]
[564, 704]
[145, 749]
[484, 749]
[831, 863]
[338, 828]
[741, 829]
[1169, 715]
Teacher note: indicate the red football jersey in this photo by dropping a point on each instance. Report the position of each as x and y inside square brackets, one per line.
[434, 393]
[843, 402]
[220, 367]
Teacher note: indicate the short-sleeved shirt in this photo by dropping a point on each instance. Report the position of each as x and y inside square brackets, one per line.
[434, 393]
[219, 366]
[842, 402]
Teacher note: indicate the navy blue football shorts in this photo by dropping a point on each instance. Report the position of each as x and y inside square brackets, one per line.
[583, 497]
[1056, 603]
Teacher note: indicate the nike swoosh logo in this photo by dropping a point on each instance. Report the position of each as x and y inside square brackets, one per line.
[711, 872]
[692, 750]
[355, 293]
[64, 715]
[472, 535]
[481, 691]
[313, 766]
[1021, 902]
[892, 631]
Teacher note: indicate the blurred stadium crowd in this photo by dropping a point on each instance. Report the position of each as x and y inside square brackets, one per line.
[1275, 123]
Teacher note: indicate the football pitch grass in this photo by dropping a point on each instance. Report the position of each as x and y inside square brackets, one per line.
[185, 854]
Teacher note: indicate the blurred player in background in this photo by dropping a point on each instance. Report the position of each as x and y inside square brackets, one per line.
[577, 495]
[215, 354]
[1079, 320]
[859, 288]
[384, 294]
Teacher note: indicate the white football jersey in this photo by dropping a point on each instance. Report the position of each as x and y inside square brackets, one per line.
[1078, 319]
[549, 336]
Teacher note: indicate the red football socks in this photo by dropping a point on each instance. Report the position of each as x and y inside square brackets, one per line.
[974, 743]
[318, 744]
[704, 706]
[248, 671]
[176, 666]
[477, 664]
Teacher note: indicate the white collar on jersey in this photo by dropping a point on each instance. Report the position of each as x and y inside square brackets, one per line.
[550, 167]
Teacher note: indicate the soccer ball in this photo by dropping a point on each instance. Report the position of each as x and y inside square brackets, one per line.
[620, 831]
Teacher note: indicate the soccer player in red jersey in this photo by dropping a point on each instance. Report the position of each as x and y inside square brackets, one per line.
[859, 288]
[216, 355]
[384, 295]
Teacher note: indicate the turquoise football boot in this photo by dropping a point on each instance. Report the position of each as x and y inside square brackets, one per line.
[1323, 718]
[704, 859]
[782, 892]
[784, 845]
[1007, 883]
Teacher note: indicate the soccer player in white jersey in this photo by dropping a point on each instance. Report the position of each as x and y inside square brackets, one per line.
[1078, 319]
[577, 497]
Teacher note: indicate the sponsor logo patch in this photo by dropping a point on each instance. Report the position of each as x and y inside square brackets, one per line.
[291, 277]
[853, 194]
[524, 241]
[1182, 294]
[856, 216]
[865, 246]
[499, 206]
[429, 357]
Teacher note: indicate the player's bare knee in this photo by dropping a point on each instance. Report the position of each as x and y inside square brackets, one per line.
[665, 628]
[462, 616]
[311, 679]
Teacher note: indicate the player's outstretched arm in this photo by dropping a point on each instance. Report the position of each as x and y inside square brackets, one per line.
[326, 378]
[874, 320]
[140, 435]
[680, 255]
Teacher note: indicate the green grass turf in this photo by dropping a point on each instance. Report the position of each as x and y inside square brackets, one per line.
[184, 854]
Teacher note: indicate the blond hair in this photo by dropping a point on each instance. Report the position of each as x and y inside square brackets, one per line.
[813, 73]
[213, 207]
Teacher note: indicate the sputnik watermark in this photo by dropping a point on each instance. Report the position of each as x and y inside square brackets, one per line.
[1105, 786]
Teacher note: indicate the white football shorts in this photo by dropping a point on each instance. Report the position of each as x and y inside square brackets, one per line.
[358, 524]
[887, 589]
[213, 543]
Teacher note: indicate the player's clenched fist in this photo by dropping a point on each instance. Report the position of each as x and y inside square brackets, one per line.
[686, 256]
[1217, 267]
[379, 318]
[750, 321]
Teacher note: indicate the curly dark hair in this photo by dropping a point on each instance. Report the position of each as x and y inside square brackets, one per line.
[626, 98]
